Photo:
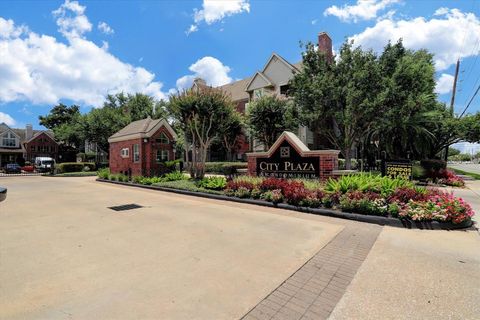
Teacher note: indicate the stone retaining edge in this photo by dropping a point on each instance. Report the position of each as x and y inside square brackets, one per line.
[384, 221]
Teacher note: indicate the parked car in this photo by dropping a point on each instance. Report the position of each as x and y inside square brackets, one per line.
[44, 164]
[13, 168]
[28, 168]
[3, 194]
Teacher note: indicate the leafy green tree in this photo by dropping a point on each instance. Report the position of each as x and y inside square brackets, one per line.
[338, 100]
[200, 114]
[58, 115]
[231, 131]
[407, 98]
[453, 151]
[269, 116]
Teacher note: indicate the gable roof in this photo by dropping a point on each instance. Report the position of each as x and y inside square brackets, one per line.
[37, 133]
[279, 57]
[236, 89]
[144, 128]
[261, 76]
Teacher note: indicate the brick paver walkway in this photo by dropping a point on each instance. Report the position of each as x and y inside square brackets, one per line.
[313, 291]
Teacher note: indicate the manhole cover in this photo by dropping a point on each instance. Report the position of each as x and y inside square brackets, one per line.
[125, 207]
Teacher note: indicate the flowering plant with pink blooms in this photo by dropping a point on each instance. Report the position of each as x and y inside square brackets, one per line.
[440, 206]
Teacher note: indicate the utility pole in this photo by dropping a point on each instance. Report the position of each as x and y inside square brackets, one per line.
[452, 102]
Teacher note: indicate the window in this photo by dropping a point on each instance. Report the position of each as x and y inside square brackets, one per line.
[124, 153]
[162, 156]
[163, 139]
[32, 148]
[136, 153]
[284, 89]
[9, 140]
[258, 93]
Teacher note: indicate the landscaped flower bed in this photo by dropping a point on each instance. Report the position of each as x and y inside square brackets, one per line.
[364, 194]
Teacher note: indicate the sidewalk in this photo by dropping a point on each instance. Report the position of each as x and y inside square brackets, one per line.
[471, 194]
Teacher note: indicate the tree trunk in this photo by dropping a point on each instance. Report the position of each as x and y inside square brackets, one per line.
[348, 158]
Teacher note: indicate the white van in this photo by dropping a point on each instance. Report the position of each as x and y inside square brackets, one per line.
[44, 164]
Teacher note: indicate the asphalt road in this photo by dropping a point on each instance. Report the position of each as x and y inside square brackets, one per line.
[65, 255]
[469, 167]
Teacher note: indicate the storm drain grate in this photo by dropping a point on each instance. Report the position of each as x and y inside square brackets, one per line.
[125, 207]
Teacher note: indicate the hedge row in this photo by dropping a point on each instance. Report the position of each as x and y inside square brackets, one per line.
[224, 167]
[75, 167]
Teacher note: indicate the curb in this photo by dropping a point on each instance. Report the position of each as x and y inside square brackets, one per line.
[384, 221]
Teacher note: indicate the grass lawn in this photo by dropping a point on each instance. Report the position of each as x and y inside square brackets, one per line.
[476, 176]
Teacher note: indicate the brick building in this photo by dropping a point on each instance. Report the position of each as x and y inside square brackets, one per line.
[272, 79]
[142, 147]
[41, 144]
[20, 145]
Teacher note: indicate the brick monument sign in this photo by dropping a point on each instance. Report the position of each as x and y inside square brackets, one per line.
[289, 157]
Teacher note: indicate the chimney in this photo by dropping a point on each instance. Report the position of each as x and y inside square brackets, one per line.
[28, 131]
[325, 46]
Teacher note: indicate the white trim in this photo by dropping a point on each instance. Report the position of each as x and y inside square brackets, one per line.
[125, 152]
[136, 152]
[264, 77]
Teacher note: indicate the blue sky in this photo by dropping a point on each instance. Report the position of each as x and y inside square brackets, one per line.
[77, 52]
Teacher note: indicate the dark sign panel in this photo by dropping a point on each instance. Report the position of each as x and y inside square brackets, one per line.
[397, 169]
[285, 162]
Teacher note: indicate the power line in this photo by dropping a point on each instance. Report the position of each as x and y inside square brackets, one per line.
[468, 105]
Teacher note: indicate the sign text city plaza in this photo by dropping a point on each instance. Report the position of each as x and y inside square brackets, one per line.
[287, 166]
[289, 157]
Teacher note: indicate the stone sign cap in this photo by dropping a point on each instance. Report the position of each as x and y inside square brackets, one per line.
[289, 157]
[296, 143]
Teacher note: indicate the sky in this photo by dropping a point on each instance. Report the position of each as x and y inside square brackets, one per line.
[77, 52]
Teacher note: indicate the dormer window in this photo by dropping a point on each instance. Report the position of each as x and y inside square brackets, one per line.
[163, 139]
[9, 140]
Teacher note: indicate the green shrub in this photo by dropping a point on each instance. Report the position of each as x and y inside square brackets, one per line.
[224, 167]
[75, 166]
[174, 176]
[213, 183]
[418, 172]
[274, 196]
[242, 192]
[366, 182]
[103, 173]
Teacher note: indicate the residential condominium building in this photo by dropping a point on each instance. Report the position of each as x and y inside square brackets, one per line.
[272, 79]
[20, 145]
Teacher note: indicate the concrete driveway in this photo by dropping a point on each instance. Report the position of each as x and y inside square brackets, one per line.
[65, 255]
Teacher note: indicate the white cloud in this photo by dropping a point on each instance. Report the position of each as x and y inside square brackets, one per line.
[209, 69]
[314, 22]
[362, 10]
[7, 119]
[42, 70]
[9, 30]
[105, 28]
[71, 20]
[216, 10]
[193, 28]
[452, 34]
[444, 83]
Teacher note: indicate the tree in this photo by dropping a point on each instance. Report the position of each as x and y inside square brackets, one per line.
[100, 123]
[58, 115]
[201, 115]
[453, 151]
[268, 117]
[338, 100]
[409, 106]
[231, 131]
